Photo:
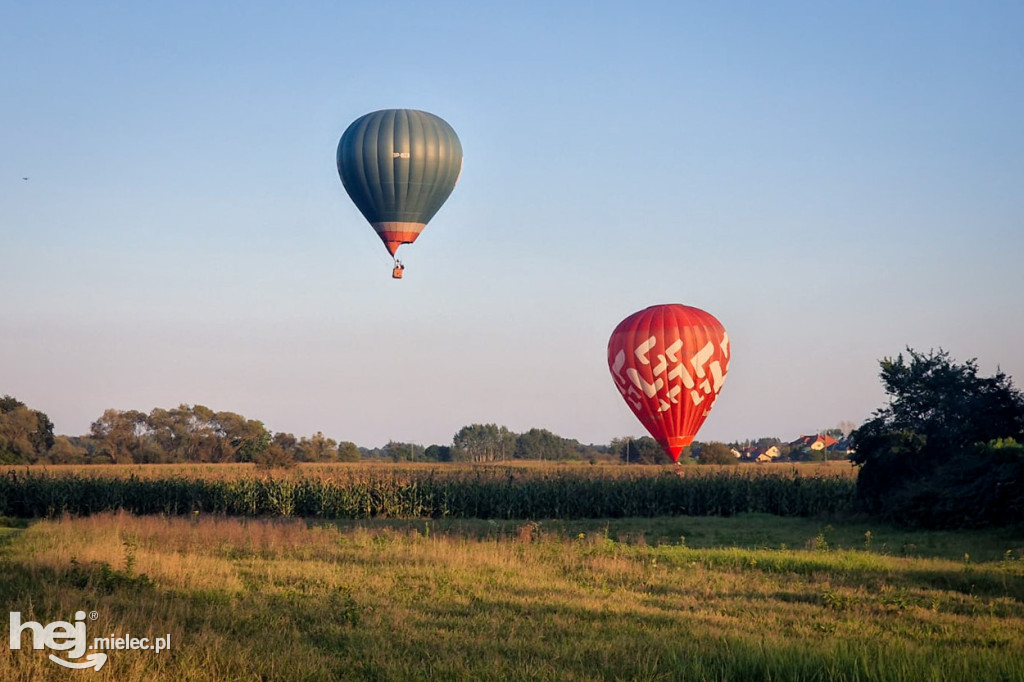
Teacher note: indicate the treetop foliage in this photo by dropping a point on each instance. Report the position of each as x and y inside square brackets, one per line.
[927, 457]
[643, 450]
[197, 433]
[26, 435]
[947, 402]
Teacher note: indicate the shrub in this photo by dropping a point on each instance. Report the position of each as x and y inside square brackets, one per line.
[933, 456]
[275, 457]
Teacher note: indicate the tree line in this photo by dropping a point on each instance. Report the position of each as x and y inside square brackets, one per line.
[187, 433]
[198, 434]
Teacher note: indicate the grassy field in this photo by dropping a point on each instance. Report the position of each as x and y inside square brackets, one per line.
[751, 597]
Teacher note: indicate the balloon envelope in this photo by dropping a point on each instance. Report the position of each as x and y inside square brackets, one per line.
[399, 166]
[669, 363]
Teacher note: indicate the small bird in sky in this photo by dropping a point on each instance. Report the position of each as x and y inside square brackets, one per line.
[24, 178]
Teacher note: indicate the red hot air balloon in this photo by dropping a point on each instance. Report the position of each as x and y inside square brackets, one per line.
[669, 363]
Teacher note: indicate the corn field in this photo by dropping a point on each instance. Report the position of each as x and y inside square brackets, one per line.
[488, 494]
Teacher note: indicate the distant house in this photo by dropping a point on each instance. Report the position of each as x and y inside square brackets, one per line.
[745, 453]
[817, 442]
[754, 453]
[768, 454]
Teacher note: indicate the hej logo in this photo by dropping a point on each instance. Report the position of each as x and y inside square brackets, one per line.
[70, 637]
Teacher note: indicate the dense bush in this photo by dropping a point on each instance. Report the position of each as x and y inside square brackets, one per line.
[978, 486]
[643, 450]
[933, 456]
[714, 453]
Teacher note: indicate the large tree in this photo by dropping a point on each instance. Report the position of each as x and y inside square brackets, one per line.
[917, 452]
[65, 451]
[438, 453]
[317, 448]
[544, 445]
[120, 435]
[349, 452]
[25, 434]
[402, 452]
[483, 443]
[241, 439]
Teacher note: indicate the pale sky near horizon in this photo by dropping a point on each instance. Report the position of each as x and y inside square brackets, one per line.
[833, 181]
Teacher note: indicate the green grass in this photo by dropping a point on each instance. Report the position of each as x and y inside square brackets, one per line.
[747, 531]
[678, 598]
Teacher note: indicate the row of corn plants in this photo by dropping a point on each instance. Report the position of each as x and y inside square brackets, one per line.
[430, 494]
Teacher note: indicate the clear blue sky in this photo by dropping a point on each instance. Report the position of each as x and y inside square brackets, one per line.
[834, 181]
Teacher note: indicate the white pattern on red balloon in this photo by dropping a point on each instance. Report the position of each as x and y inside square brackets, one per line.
[669, 376]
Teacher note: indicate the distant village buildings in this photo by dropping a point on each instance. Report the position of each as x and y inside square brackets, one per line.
[816, 443]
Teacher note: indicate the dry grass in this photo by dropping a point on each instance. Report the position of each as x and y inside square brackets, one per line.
[281, 599]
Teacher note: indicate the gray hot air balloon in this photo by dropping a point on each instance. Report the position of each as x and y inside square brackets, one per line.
[399, 166]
